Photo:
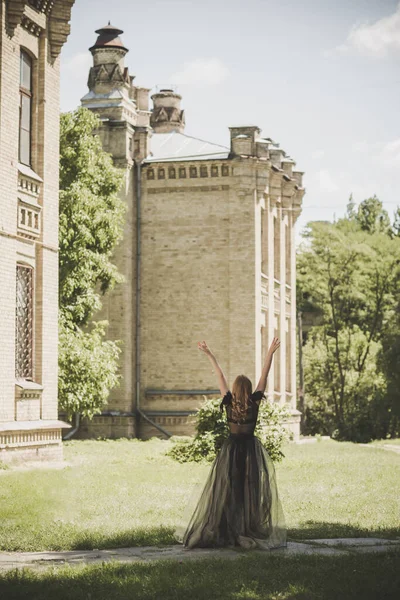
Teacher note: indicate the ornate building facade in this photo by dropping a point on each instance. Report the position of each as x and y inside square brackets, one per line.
[31, 37]
[208, 253]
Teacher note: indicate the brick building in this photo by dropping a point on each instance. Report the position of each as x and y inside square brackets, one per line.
[32, 34]
[208, 253]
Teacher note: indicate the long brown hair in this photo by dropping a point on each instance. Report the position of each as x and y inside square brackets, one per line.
[241, 392]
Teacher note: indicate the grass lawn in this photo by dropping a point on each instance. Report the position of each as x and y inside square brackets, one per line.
[128, 493]
[250, 577]
[395, 442]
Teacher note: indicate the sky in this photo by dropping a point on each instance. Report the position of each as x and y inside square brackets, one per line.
[320, 78]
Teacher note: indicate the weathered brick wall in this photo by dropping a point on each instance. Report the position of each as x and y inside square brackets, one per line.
[119, 304]
[47, 254]
[9, 100]
[107, 427]
[196, 235]
[23, 27]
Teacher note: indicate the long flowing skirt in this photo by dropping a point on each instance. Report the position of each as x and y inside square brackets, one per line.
[239, 503]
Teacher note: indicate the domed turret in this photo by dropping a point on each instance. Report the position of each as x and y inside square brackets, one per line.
[167, 115]
[111, 93]
[108, 53]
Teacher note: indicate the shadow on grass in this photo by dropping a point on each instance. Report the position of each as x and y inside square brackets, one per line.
[253, 576]
[154, 536]
[69, 538]
[163, 536]
[321, 529]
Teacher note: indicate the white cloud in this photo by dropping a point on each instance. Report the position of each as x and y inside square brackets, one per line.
[390, 154]
[361, 147]
[318, 154]
[325, 181]
[200, 72]
[376, 39]
[78, 65]
[387, 154]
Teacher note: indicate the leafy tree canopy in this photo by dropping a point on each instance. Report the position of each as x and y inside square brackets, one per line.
[91, 224]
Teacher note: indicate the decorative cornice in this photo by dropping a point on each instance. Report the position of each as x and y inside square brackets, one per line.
[14, 12]
[58, 14]
[58, 25]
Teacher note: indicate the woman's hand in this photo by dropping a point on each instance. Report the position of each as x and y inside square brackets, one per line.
[204, 348]
[274, 346]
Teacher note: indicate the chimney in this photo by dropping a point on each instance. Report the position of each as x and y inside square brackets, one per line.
[167, 115]
[243, 140]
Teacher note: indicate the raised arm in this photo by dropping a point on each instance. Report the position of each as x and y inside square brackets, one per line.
[262, 384]
[223, 386]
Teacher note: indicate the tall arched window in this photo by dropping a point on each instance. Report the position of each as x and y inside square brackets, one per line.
[25, 108]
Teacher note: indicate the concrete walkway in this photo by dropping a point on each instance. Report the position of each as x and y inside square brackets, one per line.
[43, 560]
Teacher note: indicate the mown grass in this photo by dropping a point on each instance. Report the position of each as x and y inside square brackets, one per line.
[128, 493]
[249, 577]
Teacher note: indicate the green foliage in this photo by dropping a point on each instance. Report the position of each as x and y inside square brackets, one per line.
[372, 217]
[212, 430]
[91, 216]
[362, 388]
[348, 273]
[87, 369]
[91, 224]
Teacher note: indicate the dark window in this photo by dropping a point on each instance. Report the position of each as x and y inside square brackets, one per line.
[150, 174]
[225, 171]
[214, 171]
[182, 173]
[171, 173]
[203, 172]
[25, 108]
[24, 323]
[193, 172]
[161, 173]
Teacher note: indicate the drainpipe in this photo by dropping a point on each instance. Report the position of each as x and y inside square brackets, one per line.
[72, 431]
[139, 412]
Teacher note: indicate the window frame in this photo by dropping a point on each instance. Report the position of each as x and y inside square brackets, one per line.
[25, 93]
[30, 375]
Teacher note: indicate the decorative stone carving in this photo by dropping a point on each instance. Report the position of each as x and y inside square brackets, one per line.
[29, 209]
[31, 26]
[58, 25]
[28, 396]
[108, 73]
[14, 12]
[43, 6]
[167, 115]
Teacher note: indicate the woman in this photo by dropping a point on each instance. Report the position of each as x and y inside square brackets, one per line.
[239, 504]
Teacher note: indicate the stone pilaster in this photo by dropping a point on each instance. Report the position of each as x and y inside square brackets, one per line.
[282, 301]
[272, 213]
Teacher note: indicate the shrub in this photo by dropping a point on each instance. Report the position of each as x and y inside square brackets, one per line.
[212, 430]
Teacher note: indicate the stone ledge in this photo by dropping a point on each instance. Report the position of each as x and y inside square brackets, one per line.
[30, 425]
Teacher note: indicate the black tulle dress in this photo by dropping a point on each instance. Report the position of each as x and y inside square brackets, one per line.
[239, 503]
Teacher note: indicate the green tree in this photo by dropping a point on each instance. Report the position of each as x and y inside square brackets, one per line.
[396, 222]
[351, 275]
[350, 210]
[91, 224]
[372, 217]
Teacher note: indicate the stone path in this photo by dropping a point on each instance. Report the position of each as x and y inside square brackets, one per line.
[43, 560]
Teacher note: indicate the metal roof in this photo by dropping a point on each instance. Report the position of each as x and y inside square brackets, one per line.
[175, 146]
